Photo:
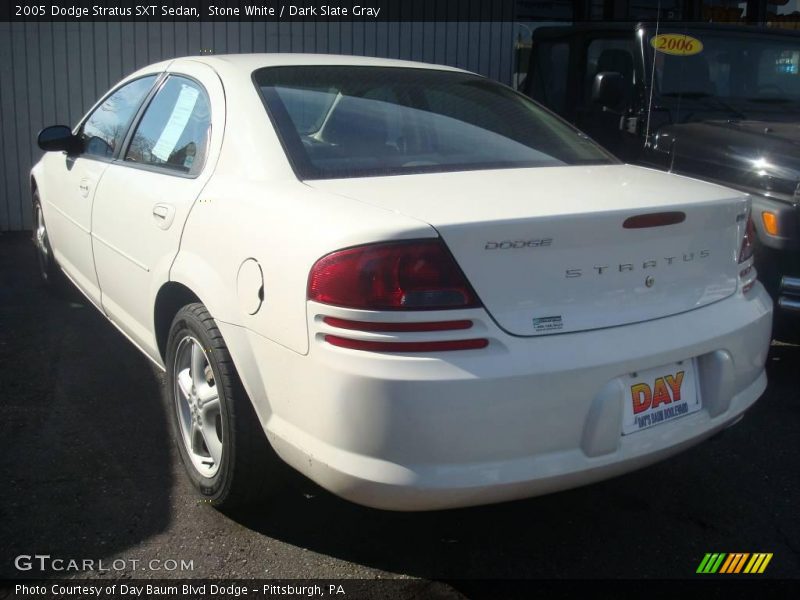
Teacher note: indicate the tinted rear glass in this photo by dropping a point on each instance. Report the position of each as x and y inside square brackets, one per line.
[345, 121]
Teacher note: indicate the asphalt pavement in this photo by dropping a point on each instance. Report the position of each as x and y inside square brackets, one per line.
[90, 472]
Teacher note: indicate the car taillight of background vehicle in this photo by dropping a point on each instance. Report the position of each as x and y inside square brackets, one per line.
[414, 275]
[748, 274]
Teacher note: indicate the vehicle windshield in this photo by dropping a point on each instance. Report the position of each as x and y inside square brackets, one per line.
[741, 75]
[348, 121]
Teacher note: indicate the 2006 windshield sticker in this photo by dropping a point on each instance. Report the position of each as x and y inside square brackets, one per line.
[676, 44]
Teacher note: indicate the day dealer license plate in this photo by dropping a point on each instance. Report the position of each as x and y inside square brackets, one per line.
[659, 395]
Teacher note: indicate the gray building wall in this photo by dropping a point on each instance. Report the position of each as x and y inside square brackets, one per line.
[52, 73]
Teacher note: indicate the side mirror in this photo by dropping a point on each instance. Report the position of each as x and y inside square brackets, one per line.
[58, 137]
[608, 89]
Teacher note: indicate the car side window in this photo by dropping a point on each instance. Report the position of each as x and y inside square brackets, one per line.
[104, 130]
[609, 54]
[173, 134]
[550, 69]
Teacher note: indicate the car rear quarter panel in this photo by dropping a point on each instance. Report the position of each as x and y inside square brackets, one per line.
[285, 226]
[255, 207]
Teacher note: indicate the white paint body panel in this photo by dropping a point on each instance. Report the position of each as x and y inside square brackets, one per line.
[580, 211]
[67, 191]
[134, 248]
[528, 414]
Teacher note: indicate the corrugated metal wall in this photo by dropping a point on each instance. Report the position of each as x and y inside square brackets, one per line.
[51, 73]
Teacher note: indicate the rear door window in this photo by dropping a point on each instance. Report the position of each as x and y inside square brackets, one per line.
[173, 134]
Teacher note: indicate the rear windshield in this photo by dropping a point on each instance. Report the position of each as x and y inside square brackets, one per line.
[345, 121]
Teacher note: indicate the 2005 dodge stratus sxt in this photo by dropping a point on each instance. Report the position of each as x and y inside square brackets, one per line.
[425, 289]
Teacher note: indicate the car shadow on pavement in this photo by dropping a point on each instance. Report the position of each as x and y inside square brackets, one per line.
[85, 453]
[725, 494]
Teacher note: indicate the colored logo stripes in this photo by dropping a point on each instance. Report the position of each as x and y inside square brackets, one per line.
[736, 562]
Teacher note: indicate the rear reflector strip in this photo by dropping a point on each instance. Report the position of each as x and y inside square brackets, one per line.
[370, 346]
[395, 326]
[654, 220]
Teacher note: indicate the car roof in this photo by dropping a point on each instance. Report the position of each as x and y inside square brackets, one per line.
[239, 66]
[250, 62]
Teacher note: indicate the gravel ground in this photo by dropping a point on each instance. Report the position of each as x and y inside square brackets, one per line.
[91, 473]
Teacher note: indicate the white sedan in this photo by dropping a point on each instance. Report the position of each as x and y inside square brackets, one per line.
[410, 283]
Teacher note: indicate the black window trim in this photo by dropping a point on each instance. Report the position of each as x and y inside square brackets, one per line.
[119, 158]
[159, 77]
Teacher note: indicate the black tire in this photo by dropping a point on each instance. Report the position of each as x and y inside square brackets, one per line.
[48, 269]
[248, 467]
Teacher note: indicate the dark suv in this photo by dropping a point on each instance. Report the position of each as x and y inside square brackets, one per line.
[716, 102]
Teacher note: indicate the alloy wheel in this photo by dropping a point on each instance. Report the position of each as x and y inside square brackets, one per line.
[41, 243]
[198, 407]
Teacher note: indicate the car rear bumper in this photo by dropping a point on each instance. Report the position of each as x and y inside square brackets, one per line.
[386, 485]
[522, 417]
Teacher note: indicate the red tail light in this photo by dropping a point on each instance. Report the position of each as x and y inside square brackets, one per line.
[409, 275]
[748, 241]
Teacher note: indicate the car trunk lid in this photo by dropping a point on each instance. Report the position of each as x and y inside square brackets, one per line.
[563, 249]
